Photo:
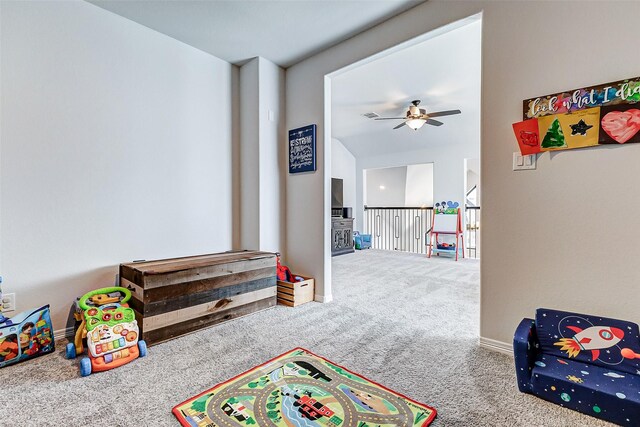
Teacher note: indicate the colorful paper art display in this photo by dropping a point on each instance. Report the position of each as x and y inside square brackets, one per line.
[528, 136]
[620, 124]
[581, 128]
[552, 130]
[604, 114]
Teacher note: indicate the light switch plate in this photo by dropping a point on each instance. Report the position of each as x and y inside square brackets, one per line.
[521, 162]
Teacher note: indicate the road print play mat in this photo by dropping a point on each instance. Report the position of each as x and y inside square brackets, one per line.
[301, 389]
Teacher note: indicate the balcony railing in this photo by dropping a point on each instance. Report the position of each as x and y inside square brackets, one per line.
[472, 232]
[398, 229]
[405, 228]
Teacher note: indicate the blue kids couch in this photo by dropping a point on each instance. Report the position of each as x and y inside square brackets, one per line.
[586, 363]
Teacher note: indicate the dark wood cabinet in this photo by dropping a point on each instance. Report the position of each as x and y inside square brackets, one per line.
[341, 236]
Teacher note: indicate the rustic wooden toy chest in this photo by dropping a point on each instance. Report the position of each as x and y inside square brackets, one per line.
[173, 297]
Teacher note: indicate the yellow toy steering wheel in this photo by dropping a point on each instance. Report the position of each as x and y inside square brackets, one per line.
[96, 295]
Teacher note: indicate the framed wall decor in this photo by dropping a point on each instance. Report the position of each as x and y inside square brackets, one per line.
[302, 149]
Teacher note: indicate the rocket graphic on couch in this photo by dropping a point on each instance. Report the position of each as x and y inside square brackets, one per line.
[580, 361]
[594, 338]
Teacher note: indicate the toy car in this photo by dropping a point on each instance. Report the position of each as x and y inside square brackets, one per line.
[110, 329]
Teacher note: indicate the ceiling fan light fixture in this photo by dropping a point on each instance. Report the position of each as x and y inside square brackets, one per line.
[416, 124]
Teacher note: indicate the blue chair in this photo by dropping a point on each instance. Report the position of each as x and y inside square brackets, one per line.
[361, 241]
[586, 363]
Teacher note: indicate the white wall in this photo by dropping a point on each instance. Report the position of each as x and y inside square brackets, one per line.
[262, 155]
[343, 165]
[473, 180]
[250, 155]
[473, 177]
[116, 144]
[404, 186]
[273, 156]
[386, 187]
[528, 261]
[419, 188]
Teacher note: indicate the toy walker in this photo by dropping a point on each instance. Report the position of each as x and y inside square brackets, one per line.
[110, 329]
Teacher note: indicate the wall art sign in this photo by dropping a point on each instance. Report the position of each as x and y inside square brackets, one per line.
[302, 149]
[604, 114]
[620, 92]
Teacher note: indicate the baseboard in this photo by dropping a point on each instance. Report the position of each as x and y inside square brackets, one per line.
[499, 346]
[323, 298]
[60, 334]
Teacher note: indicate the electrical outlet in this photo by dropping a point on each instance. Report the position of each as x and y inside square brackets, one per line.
[8, 302]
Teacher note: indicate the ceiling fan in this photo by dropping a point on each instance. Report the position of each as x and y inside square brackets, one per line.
[416, 117]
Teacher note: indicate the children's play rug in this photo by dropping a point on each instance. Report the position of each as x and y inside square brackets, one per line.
[301, 389]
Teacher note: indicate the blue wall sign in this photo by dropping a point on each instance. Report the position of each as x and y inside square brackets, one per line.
[302, 149]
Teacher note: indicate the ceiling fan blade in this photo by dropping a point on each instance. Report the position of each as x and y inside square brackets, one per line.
[434, 122]
[444, 113]
[400, 125]
[390, 118]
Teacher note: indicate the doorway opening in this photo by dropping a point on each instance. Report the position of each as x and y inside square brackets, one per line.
[368, 132]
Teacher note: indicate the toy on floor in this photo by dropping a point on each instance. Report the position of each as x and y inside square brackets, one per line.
[110, 329]
[447, 224]
[587, 363]
[25, 336]
[283, 272]
[361, 241]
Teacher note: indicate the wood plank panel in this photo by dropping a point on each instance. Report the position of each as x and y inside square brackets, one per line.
[136, 291]
[202, 285]
[189, 300]
[136, 304]
[186, 263]
[208, 272]
[182, 315]
[164, 334]
[286, 302]
[304, 289]
[147, 264]
[169, 268]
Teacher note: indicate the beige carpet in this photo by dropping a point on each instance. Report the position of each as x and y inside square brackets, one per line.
[399, 319]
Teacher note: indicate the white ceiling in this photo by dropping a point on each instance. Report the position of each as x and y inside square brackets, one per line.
[443, 72]
[285, 31]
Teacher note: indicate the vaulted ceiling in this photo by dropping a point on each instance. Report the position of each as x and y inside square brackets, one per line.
[283, 31]
[443, 72]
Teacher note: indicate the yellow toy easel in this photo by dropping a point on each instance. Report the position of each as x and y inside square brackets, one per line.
[447, 222]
